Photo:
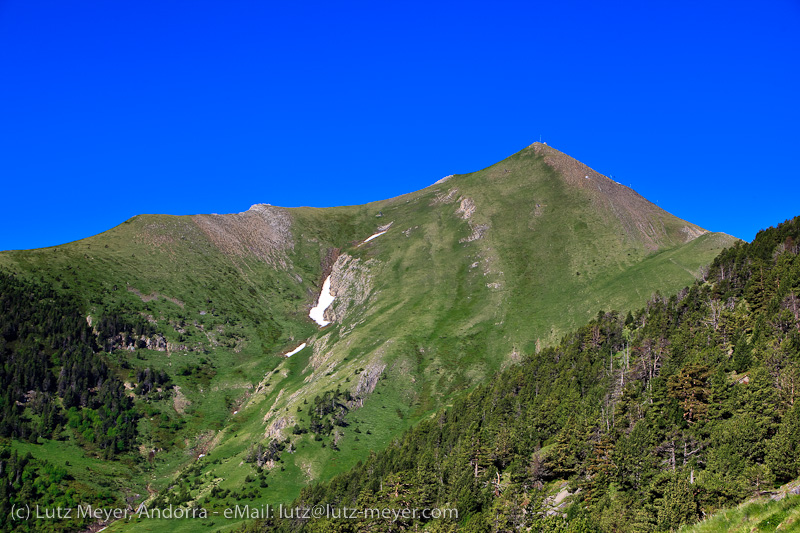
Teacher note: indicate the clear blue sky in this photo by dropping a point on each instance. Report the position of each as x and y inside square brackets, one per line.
[109, 109]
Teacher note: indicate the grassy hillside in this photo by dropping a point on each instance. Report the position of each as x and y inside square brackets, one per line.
[760, 515]
[646, 422]
[471, 274]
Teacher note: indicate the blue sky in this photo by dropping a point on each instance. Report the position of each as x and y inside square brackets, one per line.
[111, 109]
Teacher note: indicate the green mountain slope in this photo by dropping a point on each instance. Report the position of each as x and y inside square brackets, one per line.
[779, 512]
[471, 274]
[649, 422]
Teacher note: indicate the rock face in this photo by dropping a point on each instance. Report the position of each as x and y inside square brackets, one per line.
[369, 379]
[466, 209]
[262, 231]
[351, 284]
[130, 342]
[275, 430]
[447, 198]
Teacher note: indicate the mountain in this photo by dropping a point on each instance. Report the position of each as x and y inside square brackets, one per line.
[433, 293]
[645, 422]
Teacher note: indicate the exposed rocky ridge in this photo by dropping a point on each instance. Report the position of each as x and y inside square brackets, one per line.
[262, 231]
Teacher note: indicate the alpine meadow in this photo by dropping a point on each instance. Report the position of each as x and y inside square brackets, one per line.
[533, 345]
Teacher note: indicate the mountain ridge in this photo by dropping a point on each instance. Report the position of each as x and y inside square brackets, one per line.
[469, 275]
[572, 170]
[654, 421]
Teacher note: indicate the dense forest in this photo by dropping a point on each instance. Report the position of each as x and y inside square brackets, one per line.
[647, 421]
[52, 375]
[55, 383]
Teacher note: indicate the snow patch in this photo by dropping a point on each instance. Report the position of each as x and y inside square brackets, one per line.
[297, 349]
[381, 231]
[317, 312]
[373, 236]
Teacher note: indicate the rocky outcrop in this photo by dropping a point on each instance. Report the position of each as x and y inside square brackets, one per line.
[477, 232]
[262, 231]
[130, 342]
[466, 210]
[351, 284]
[368, 379]
[275, 430]
[445, 198]
[319, 352]
[556, 504]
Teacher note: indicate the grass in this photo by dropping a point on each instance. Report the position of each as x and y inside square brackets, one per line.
[758, 515]
[440, 313]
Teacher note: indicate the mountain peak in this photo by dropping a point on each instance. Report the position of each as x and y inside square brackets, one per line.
[569, 167]
[637, 214]
[474, 274]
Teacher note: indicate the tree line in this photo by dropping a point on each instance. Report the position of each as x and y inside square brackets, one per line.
[650, 421]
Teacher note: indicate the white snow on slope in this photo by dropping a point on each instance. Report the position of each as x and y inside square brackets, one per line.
[295, 351]
[317, 312]
[373, 236]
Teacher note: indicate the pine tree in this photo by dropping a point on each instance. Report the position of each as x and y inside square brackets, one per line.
[782, 457]
[678, 506]
[600, 469]
[691, 388]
